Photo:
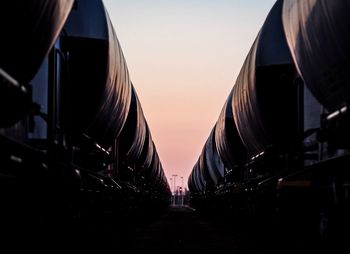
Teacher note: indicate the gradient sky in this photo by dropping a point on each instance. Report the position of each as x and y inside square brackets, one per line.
[184, 57]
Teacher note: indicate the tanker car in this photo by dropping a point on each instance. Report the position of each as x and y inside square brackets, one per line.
[279, 150]
[75, 145]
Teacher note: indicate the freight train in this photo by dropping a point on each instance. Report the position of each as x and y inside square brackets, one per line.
[280, 149]
[74, 142]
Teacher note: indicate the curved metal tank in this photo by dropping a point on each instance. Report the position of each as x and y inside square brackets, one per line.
[146, 156]
[163, 186]
[152, 173]
[155, 171]
[133, 135]
[99, 85]
[158, 185]
[203, 167]
[190, 183]
[161, 177]
[215, 165]
[198, 183]
[265, 95]
[227, 140]
[318, 35]
[29, 29]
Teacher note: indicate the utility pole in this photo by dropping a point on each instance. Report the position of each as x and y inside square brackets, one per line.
[174, 177]
[182, 190]
[171, 183]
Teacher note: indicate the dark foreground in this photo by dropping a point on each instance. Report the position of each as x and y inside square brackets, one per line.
[181, 230]
[173, 230]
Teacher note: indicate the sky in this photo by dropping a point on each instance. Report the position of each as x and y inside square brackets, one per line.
[183, 58]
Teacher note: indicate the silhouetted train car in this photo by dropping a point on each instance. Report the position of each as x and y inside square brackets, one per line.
[213, 161]
[71, 122]
[318, 38]
[30, 28]
[132, 138]
[289, 109]
[138, 159]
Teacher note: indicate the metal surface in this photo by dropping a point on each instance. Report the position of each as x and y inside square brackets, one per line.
[29, 29]
[317, 34]
[214, 163]
[100, 88]
[264, 100]
[227, 140]
[133, 136]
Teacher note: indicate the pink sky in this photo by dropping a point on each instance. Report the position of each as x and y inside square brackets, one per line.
[183, 58]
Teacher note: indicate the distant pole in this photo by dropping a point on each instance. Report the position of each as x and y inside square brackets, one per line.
[171, 183]
[182, 190]
[174, 177]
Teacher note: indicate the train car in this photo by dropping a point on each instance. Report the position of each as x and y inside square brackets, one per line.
[254, 122]
[289, 108]
[71, 122]
[317, 35]
[30, 28]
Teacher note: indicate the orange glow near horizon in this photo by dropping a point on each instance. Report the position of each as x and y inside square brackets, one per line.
[183, 57]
